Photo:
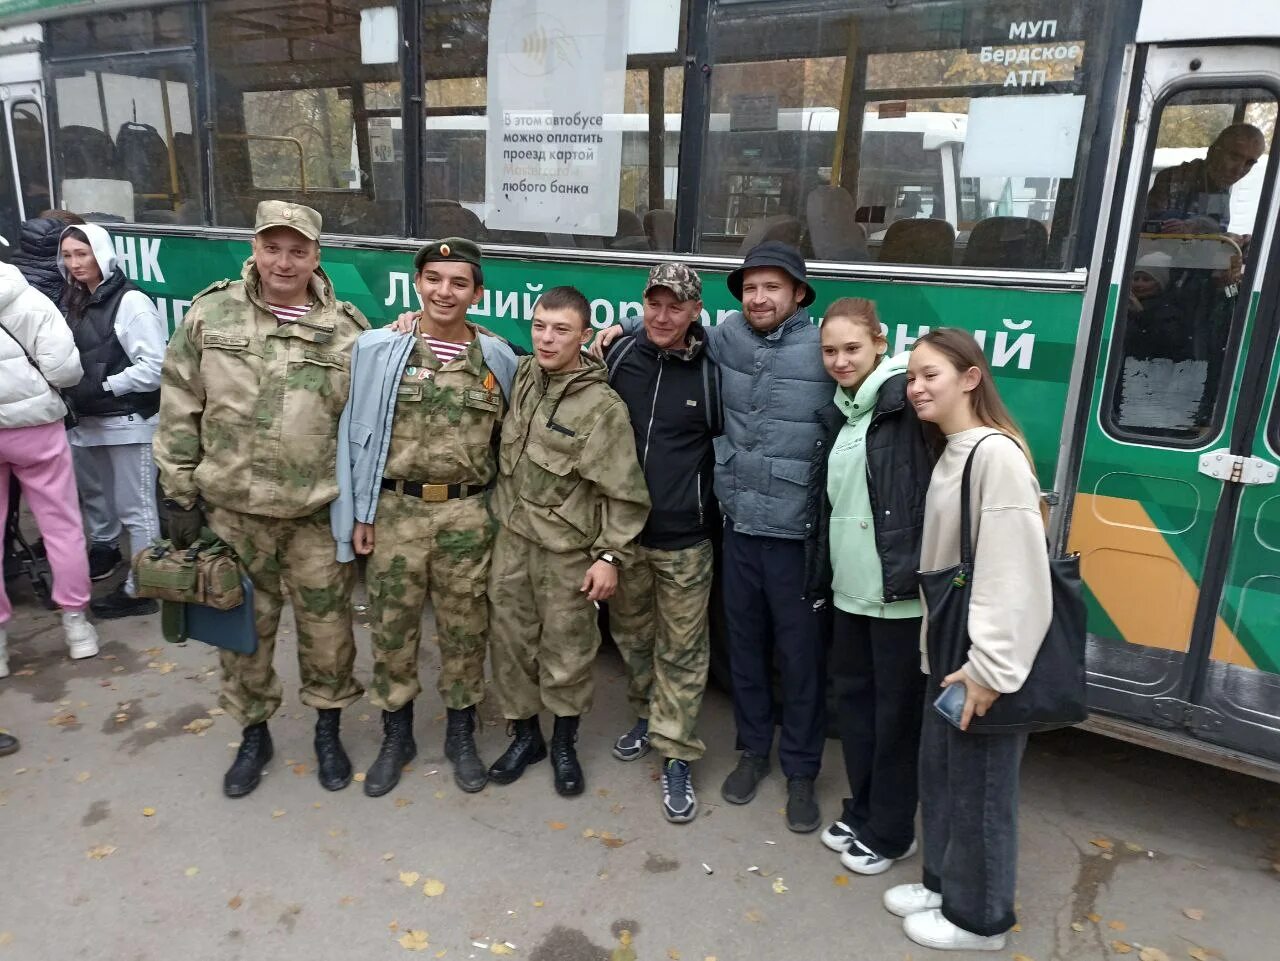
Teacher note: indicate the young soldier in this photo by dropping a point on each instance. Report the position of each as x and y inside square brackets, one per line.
[433, 400]
[252, 388]
[659, 614]
[569, 500]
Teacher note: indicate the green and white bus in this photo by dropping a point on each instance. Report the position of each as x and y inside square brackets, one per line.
[1046, 173]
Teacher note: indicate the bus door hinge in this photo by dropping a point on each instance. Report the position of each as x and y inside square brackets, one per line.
[1180, 713]
[1235, 469]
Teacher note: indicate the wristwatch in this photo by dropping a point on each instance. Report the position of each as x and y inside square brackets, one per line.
[609, 558]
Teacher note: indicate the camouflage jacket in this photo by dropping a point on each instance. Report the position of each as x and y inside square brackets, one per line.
[568, 478]
[249, 407]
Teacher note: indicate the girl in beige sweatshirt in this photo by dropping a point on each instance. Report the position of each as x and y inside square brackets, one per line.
[969, 781]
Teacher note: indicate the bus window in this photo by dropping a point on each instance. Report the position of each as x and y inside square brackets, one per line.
[303, 111]
[121, 31]
[124, 146]
[829, 123]
[1189, 253]
[33, 162]
[455, 62]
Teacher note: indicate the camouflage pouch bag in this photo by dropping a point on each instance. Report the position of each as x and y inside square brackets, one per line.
[205, 573]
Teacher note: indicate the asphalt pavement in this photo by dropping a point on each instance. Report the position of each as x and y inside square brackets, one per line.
[116, 843]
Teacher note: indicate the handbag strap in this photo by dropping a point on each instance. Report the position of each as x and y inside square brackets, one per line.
[966, 522]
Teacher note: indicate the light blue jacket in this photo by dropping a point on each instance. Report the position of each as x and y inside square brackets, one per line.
[364, 430]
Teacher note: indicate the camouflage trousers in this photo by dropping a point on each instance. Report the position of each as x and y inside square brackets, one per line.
[422, 548]
[543, 630]
[658, 619]
[294, 557]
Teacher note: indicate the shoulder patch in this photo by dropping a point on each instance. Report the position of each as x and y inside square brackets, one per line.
[215, 286]
[352, 311]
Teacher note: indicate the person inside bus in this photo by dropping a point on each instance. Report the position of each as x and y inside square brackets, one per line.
[866, 511]
[969, 780]
[1195, 197]
[770, 361]
[121, 338]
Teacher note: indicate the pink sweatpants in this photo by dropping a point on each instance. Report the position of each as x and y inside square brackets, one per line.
[41, 460]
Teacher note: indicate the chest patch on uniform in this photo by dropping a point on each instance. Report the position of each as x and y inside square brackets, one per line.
[209, 339]
[409, 392]
[691, 403]
[480, 399]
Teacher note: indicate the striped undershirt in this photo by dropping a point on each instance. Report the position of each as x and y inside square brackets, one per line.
[286, 314]
[445, 350]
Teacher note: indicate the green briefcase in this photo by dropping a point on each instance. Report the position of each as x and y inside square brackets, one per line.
[232, 630]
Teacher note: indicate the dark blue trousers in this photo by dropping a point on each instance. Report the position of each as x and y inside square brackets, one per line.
[769, 619]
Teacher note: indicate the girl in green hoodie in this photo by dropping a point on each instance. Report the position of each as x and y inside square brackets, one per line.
[877, 475]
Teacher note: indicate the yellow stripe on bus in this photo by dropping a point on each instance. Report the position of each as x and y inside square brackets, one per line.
[1137, 579]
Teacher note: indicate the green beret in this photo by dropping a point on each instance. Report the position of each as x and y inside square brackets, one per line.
[452, 249]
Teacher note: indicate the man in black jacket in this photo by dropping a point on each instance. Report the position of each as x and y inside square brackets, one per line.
[658, 616]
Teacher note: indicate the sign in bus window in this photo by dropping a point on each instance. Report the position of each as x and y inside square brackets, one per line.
[1183, 303]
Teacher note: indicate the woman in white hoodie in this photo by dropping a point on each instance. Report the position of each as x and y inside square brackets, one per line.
[37, 358]
[121, 340]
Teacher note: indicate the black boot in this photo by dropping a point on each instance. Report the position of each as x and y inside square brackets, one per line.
[527, 747]
[564, 757]
[398, 749]
[460, 747]
[333, 767]
[246, 770]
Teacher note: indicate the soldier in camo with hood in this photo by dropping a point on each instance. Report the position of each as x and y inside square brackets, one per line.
[254, 382]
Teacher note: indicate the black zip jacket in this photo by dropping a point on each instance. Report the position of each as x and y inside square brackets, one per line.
[674, 400]
[37, 255]
[102, 355]
[900, 459]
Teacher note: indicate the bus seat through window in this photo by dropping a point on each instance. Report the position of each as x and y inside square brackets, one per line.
[923, 241]
[782, 227]
[1009, 242]
[660, 227]
[834, 231]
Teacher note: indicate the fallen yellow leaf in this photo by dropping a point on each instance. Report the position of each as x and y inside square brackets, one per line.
[1094, 917]
[499, 947]
[234, 903]
[1199, 953]
[1133, 848]
[841, 880]
[403, 802]
[101, 851]
[299, 769]
[1116, 925]
[388, 856]
[557, 825]
[1152, 954]
[148, 812]
[537, 904]
[433, 888]
[6, 937]
[1102, 843]
[1121, 947]
[779, 887]
[438, 795]
[278, 813]
[198, 726]
[753, 916]
[442, 952]
[409, 878]
[191, 872]
[673, 954]
[589, 833]
[1077, 926]
[358, 776]
[1021, 957]
[1195, 914]
[82, 777]
[414, 940]
[612, 842]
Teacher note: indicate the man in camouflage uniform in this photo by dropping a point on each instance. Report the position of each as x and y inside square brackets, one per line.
[254, 382]
[570, 498]
[659, 615]
[433, 528]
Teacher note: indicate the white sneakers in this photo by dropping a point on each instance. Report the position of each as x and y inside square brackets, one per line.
[82, 639]
[908, 899]
[860, 859]
[837, 836]
[932, 930]
[4, 651]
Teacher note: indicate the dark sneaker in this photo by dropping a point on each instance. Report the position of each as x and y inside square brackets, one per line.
[740, 786]
[803, 815]
[838, 836]
[679, 803]
[860, 859]
[634, 744]
[119, 604]
[104, 560]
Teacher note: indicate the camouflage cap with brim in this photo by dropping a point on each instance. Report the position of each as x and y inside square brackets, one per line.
[281, 213]
[681, 279]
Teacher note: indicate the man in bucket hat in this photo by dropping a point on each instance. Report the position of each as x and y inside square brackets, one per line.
[774, 384]
[658, 617]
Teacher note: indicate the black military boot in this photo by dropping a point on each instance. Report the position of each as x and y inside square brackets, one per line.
[564, 757]
[246, 770]
[333, 767]
[398, 749]
[527, 747]
[469, 772]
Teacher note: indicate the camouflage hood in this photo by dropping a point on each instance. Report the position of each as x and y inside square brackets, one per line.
[567, 383]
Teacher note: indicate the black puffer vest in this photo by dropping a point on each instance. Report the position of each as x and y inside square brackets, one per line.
[101, 356]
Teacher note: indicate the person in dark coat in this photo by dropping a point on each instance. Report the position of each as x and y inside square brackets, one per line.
[37, 254]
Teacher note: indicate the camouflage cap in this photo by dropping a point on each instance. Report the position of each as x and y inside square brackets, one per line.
[452, 249]
[281, 213]
[681, 279]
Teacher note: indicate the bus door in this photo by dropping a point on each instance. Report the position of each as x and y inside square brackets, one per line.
[1175, 514]
[27, 189]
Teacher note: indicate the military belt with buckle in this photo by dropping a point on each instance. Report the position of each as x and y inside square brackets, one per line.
[433, 493]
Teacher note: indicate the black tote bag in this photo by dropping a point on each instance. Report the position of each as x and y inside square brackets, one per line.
[1053, 694]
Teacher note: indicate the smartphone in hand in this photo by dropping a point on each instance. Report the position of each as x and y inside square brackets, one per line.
[950, 704]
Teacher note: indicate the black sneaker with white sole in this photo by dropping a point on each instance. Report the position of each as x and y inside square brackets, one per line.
[104, 560]
[837, 836]
[634, 744]
[679, 803]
